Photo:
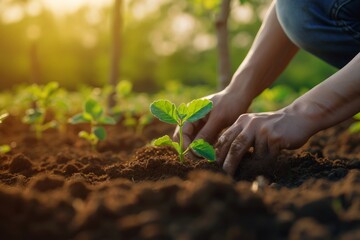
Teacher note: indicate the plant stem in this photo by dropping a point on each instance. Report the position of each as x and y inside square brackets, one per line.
[181, 155]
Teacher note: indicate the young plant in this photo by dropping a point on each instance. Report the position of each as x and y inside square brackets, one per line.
[123, 107]
[166, 111]
[4, 148]
[93, 113]
[42, 97]
[137, 123]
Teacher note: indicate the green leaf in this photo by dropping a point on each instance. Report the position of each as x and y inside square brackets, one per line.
[204, 149]
[198, 109]
[129, 121]
[33, 116]
[182, 111]
[85, 135]
[93, 108]
[79, 118]
[357, 116]
[48, 125]
[50, 88]
[99, 132]
[145, 119]
[162, 141]
[5, 149]
[165, 111]
[355, 127]
[124, 88]
[107, 120]
[166, 141]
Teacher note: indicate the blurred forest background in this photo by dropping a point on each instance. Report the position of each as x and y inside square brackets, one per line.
[161, 41]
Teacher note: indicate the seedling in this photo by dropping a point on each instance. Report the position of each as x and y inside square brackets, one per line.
[166, 111]
[42, 98]
[93, 113]
[137, 123]
[4, 148]
[355, 127]
[123, 92]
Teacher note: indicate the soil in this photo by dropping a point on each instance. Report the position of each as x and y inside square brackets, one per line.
[58, 188]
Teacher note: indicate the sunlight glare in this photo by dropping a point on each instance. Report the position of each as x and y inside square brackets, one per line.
[69, 6]
[204, 41]
[12, 14]
[242, 14]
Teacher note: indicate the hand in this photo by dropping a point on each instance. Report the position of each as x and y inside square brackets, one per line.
[267, 133]
[226, 109]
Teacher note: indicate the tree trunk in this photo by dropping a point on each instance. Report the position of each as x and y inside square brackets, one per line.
[35, 64]
[115, 50]
[224, 66]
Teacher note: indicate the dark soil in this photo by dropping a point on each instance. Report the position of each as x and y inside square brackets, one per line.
[58, 188]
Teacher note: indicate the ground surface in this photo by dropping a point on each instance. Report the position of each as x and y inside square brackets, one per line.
[57, 188]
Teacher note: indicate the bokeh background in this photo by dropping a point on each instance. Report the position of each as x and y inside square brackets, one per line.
[162, 41]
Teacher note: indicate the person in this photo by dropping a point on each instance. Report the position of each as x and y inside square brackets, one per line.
[329, 29]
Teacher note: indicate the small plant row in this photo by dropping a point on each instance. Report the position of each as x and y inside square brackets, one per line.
[50, 106]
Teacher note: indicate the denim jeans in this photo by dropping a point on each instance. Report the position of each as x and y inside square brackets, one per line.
[329, 29]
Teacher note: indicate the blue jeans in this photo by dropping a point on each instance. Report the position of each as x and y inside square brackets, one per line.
[329, 29]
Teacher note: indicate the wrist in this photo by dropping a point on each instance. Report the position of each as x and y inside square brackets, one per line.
[310, 113]
[243, 84]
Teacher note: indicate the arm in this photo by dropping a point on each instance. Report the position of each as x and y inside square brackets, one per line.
[267, 58]
[269, 55]
[333, 100]
[329, 103]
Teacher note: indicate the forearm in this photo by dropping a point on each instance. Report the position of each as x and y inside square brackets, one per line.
[270, 53]
[334, 100]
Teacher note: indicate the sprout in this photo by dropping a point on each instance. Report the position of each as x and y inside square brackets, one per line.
[42, 98]
[167, 112]
[93, 113]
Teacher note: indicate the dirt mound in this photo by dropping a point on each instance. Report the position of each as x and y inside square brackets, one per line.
[57, 187]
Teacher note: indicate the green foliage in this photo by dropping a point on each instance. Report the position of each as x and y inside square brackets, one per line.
[212, 5]
[124, 88]
[273, 99]
[4, 148]
[137, 122]
[167, 112]
[355, 127]
[94, 114]
[124, 99]
[41, 98]
[130, 107]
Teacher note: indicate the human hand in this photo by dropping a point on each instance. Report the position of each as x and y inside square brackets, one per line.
[226, 109]
[267, 133]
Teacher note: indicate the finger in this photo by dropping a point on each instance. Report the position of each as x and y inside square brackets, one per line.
[274, 150]
[261, 148]
[238, 148]
[274, 145]
[211, 129]
[225, 141]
